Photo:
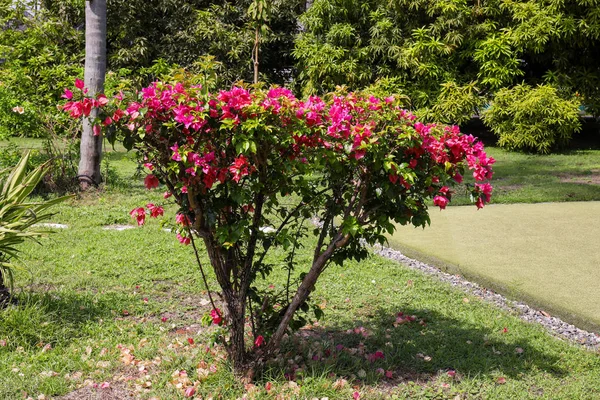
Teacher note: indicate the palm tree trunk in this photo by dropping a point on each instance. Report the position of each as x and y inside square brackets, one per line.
[95, 70]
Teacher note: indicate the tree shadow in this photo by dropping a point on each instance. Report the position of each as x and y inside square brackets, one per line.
[411, 350]
[53, 317]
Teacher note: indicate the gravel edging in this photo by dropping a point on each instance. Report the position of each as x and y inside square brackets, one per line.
[554, 325]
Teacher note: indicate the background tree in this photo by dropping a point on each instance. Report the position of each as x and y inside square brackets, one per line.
[426, 44]
[95, 72]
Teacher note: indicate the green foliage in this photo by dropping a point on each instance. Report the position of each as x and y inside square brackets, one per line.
[454, 105]
[40, 57]
[18, 214]
[532, 119]
[430, 45]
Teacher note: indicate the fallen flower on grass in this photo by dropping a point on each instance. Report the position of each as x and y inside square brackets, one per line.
[501, 380]
[339, 384]
[189, 392]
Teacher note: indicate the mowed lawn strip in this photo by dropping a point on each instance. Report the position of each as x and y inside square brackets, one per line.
[533, 178]
[548, 253]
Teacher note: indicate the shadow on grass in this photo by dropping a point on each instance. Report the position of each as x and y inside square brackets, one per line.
[410, 350]
[54, 318]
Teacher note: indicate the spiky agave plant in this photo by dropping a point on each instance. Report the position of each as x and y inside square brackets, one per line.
[18, 215]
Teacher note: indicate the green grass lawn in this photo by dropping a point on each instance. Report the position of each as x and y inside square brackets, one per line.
[100, 306]
[98, 297]
[530, 178]
[545, 253]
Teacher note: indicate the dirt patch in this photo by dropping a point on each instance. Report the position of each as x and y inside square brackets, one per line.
[114, 392]
[591, 179]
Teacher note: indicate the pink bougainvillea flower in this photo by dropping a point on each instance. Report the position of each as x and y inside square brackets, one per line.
[166, 195]
[97, 130]
[182, 219]
[183, 239]
[356, 396]
[486, 189]
[164, 319]
[102, 100]
[67, 95]
[139, 214]
[190, 392]
[155, 211]
[451, 373]
[79, 84]
[148, 165]
[190, 340]
[268, 386]
[389, 374]
[215, 314]
[259, 341]
[458, 178]
[479, 203]
[151, 182]
[440, 201]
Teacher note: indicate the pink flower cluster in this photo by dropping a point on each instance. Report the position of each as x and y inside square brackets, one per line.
[206, 140]
[140, 213]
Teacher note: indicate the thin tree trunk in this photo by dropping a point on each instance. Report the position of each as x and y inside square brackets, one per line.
[95, 70]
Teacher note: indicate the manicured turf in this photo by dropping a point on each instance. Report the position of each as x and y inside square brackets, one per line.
[546, 253]
[530, 178]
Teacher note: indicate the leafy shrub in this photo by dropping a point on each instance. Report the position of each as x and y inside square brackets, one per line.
[249, 169]
[39, 58]
[532, 119]
[18, 215]
[454, 105]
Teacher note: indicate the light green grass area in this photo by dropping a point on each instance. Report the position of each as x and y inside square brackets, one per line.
[546, 253]
[531, 178]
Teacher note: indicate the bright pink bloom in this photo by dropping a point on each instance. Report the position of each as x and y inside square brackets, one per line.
[182, 219]
[217, 318]
[183, 239]
[486, 189]
[479, 203]
[440, 201]
[189, 392]
[259, 341]
[139, 214]
[68, 94]
[102, 100]
[444, 190]
[166, 195]
[155, 211]
[79, 84]
[97, 130]
[389, 374]
[151, 182]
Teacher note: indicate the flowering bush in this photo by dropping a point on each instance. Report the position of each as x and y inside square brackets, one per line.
[253, 169]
